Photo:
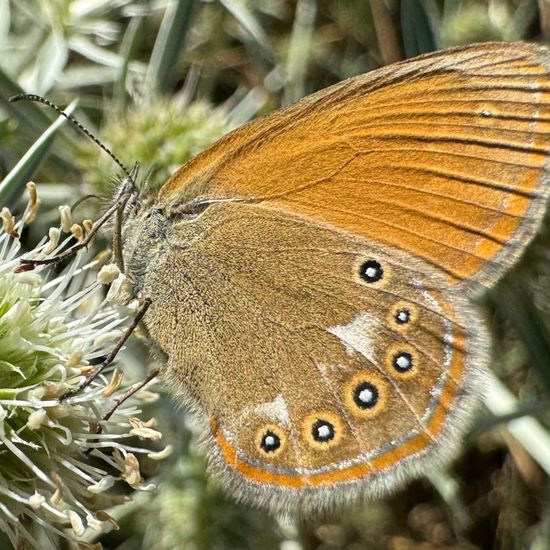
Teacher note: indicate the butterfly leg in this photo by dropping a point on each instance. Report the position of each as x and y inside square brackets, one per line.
[111, 357]
[132, 390]
[117, 207]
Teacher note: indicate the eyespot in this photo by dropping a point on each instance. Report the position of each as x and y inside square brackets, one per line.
[371, 271]
[322, 430]
[365, 394]
[402, 361]
[403, 315]
[270, 441]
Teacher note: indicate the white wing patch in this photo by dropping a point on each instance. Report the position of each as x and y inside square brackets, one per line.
[273, 411]
[358, 335]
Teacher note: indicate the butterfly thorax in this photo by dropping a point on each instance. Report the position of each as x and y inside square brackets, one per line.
[156, 255]
[144, 236]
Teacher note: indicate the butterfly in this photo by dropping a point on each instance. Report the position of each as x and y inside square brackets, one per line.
[309, 276]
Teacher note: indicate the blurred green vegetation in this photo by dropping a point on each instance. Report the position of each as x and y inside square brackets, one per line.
[158, 81]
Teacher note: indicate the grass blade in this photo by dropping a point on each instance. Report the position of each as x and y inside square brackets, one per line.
[30, 117]
[527, 430]
[170, 39]
[299, 50]
[516, 304]
[386, 33]
[12, 185]
[126, 50]
[249, 22]
[418, 36]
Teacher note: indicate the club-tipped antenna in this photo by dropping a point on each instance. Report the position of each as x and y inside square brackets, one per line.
[85, 131]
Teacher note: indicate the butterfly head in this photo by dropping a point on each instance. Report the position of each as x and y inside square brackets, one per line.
[146, 225]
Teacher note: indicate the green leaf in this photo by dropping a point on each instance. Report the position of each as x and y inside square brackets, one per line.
[51, 60]
[516, 304]
[12, 185]
[170, 39]
[246, 18]
[299, 50]
[418, 36]
[31, 118]
[5, 22]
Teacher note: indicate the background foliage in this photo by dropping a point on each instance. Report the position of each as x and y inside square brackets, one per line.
[158, 80]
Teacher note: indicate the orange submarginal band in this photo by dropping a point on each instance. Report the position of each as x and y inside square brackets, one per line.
[375, 465]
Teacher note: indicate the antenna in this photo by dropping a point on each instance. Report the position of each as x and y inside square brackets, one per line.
[85, 131]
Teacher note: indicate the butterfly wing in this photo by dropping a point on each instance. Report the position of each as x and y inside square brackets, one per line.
[443, 156]
[327, 367]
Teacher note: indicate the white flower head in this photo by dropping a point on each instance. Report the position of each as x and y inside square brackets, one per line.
[56, 471]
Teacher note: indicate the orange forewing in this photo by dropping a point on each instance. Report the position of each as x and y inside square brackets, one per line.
[443, 156]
